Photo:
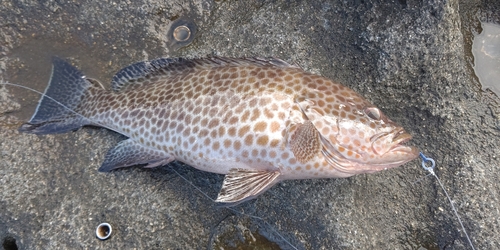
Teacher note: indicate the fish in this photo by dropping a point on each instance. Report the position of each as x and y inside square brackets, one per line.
[258, 121]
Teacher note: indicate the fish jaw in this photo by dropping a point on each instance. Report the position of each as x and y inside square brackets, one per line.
[390, 151]
[371, 161]
[396, 157]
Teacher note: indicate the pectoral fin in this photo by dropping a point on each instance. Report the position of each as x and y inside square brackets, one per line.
[305, 142]
[243, 184]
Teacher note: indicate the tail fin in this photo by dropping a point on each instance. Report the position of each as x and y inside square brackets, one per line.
[57, 109]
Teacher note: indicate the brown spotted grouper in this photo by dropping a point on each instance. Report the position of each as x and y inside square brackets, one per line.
[258, 121]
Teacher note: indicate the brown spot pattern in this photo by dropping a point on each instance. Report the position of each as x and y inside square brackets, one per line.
[217, 113]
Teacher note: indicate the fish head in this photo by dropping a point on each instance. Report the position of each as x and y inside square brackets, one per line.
[356, 137]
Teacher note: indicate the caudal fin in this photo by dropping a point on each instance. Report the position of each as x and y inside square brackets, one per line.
[57, 110]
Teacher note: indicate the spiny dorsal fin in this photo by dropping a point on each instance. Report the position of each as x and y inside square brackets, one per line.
[243, 184]
[305, 142]
[95, 83]
[141, 73]
[138, 73]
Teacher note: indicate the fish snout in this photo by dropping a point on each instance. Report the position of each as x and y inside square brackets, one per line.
[401, 136]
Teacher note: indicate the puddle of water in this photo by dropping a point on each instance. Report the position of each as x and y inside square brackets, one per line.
[31, 66]
[486, 51]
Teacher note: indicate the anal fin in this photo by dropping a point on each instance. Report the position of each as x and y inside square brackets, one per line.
[129, 153]
[244, 184]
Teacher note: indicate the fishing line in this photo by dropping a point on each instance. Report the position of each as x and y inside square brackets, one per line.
[54, 100]
[186, 180]
[232, 209]
[421, 179]
[430, 169]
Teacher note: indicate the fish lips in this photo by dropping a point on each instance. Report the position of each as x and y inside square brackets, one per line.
[399, 139]
[397, 154]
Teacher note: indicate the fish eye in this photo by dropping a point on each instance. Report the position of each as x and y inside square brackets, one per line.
[373, 113]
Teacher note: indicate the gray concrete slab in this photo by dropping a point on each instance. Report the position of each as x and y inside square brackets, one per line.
[411, 58]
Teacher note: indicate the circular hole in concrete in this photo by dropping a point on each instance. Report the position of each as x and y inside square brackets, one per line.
[9, 243]
[182, 33]
[103, 231]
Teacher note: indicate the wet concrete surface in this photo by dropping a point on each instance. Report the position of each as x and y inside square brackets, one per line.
[411, 58]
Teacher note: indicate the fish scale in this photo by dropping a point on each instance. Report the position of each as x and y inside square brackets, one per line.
[259, 121]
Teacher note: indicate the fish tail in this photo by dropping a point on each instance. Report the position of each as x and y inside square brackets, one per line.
[57, 110]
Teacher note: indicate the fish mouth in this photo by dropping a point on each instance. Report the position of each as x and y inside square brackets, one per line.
[396, 148]
[400, 137]
[398, 154]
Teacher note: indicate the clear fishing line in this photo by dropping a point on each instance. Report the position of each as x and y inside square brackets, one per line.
[430, 169]
[186, 180]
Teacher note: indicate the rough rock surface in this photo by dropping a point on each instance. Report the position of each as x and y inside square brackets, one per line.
[411, 58]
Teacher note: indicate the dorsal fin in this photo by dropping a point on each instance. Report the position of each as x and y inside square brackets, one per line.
[139, 73]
